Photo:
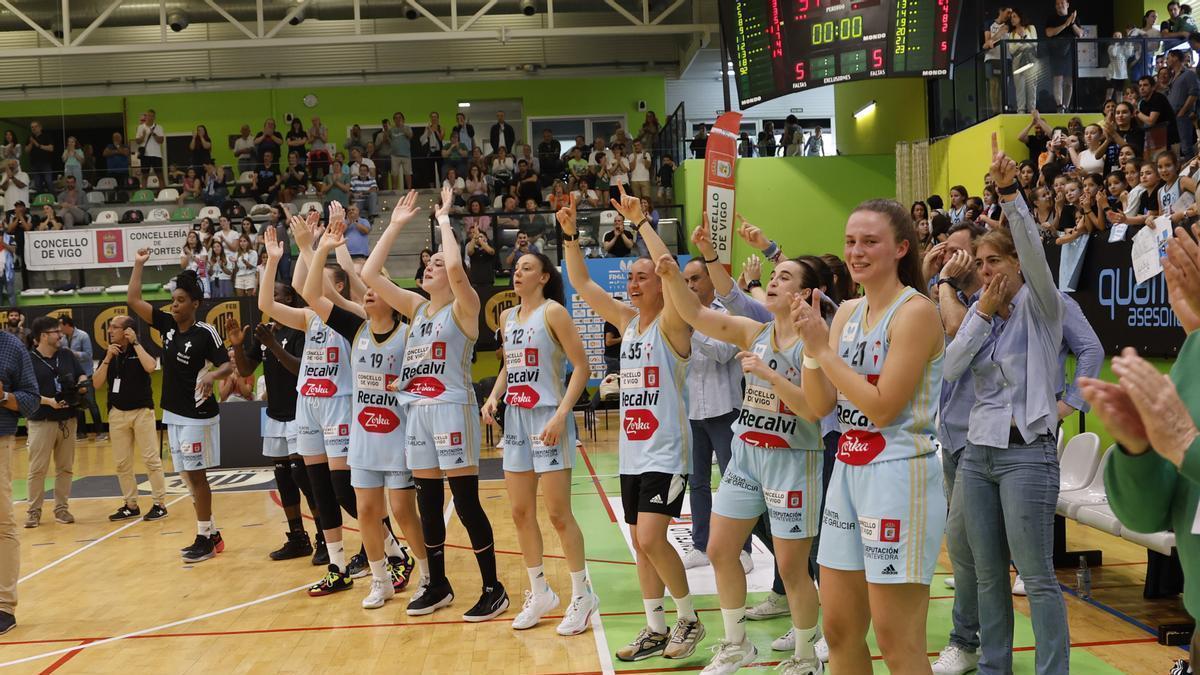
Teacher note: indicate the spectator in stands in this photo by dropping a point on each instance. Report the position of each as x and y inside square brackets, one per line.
[15, 184]
[648, 134]
[336, 186]
[577, 166]
[549, 154]
[992, 35]
[958, 204]
[599, 152]
[503, 169]
[477, 159]
[190, 189]
[10, 148]
[222, 269]
[1145, 50]
[502, 134]
[618, 242]
[1022, 52]
[244, 151]
[700, 141]
[1094, 156]
[1182, 94]
[463, 132]
[195, 257]
[72, 157]
[426, 256]
[381, 155]
[318, 153]
[476, 217]
[355, 140]
[527, 182]
[666, 180]
[269, 140]
[585, 197]
[1062, 30]
[1178, 27]
[526, 151]
[1119, 54]
[618, 172]
[433, 141]
[1162, 81]
[116, 158]
[533, 224]
[457, 185]
[558, 196]
[640, 166]
[476, 183]
[767, 146]
[227, 234]
[358, 157]
[48, 220]
[8, 258]
[1125, 128]
[245, 274]
[295, 179]
[364, 190]
[481, 259]
[508, 218]
[519, 248]
[79, 343]
[236, 387]
[200, 147]
[815, 145]
[52, 426]
[150, 139]
[265, 182]
[297, 141]
[213, 190]
[16, 325]
[619, 138]
[358, 229]
[457, 153]
[70, 204]
[400, 138]
[40, 151]
[247, 229]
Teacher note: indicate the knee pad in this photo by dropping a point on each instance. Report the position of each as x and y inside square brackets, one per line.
[289, 493]
[430, 502]
[466, 504]
[327, 504]
[345, 492]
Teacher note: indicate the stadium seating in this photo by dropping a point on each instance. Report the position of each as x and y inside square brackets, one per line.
[143, 196]
[167, 196]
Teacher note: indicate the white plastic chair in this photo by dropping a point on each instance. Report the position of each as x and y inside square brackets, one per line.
[152, 182]
[158, 216]
[106, 183]
[1162, 542]
[1077, 463]
[244, 179]
[311, 206]
[1100, 517]
[167, 196]
[1069, 503]
[106, 218]
[260, 210]
[210, 212]
[95, 197]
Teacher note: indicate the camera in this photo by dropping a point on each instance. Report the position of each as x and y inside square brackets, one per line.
[69, 391]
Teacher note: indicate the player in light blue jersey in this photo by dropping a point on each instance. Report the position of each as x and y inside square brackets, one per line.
[442, 426]
[880, 366]
[654, 445]
[539, 434]
[776, 466]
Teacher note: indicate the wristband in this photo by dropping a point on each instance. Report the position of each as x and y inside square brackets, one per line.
[754, 284]
[811, 363]
[771, 251]
[715, 258]
[983, 316]
[949, 282]
[643, 221]
[1010, 189]
[570, 237]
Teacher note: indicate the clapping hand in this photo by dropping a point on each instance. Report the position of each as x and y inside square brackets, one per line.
[1182, 269]
[810, 324]
[275, 247]
[234, 331]
[1171, 430]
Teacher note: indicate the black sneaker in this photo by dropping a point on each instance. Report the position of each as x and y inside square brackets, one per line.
[201, 549]
[492, 603]
[400, 569]
[432, 598]
[358, 567]
[125, 513]
[296, 546]
[334, 581]
[1180, 667]
[7, 622]
[320, 554]
[156, 512]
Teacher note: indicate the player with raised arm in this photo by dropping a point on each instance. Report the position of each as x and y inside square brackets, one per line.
[442, 434]
[880, 365]
[539, 434]
[376, 458]
[776, 465]
[655, 442]
[193, 359]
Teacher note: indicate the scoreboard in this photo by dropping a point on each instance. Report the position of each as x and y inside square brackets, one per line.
[782, 46]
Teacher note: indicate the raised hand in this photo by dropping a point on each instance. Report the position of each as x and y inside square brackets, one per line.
[142, 256]
[810, 324]
[300, 229]
[335, 236]
[666, 266]
[752, 269]
[702, 241]
[234, 331]
[337, 213]
[1003, 169]
[443, 207]
[275, 247]
[752, 235]
[566, 216]
[630, 207]
[265, 335]
[405, 209]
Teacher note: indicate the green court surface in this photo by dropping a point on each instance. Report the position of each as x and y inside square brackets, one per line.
[621, 602]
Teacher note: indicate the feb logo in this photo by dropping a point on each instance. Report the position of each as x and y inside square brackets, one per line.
[531, 358]
[220, 313]
[437, 351]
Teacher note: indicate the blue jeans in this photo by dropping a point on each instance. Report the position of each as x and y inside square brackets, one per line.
[1187, 139]
[1012, 493]
[965, 632]
[712, 434]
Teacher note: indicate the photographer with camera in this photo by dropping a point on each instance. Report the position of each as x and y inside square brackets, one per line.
[61, 384]
[79, 343]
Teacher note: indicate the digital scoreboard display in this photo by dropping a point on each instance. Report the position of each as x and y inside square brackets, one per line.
[782, 46]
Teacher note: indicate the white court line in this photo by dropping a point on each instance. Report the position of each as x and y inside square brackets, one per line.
[155, 629]
[90, 544]
[602, 652]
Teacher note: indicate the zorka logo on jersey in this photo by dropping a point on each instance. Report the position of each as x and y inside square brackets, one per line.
[318, 388]
[857, 447]
[428, 387]
[522, 396]
[378, 420]
[639, 424]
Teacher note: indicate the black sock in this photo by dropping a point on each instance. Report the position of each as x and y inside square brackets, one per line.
[345, 492]
[430, 502]
[466, 504]
[324, 496]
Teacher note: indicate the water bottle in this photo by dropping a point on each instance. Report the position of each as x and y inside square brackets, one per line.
[1083, 580]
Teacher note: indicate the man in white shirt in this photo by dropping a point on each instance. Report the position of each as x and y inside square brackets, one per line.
[15, 184]
[599, 151]
[150, 139]
[714, 382]
[639, 171]
[245, 152]
[357, 158]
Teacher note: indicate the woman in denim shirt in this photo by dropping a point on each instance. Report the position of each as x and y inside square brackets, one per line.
[1009, 470]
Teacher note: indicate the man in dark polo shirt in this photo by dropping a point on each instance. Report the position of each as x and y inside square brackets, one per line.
[18, 396]
[126, 370]
[52, 426]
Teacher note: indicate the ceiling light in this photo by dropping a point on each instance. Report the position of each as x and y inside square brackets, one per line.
[464, 104]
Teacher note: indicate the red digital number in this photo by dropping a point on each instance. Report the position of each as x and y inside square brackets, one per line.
[877, 58]
[943, 46]
[801, 72]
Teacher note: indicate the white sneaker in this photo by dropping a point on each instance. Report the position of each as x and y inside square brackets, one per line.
[821, 647]
[694, 558]
[785, 642]
[797, 666]
[381, 591]
[536, 606]
[954, 660]
[729, 657]
[772, 606]
[949, 581]
[579, 614]
[1018, 586]
[747, 562]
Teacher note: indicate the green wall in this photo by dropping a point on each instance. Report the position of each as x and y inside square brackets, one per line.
[338, 107]
[900, 115]
[801, 202]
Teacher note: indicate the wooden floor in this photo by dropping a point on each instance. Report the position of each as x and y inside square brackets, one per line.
[121, 592]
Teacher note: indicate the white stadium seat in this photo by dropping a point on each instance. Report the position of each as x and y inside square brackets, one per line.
[106, 183]
[244, 179]
[1100, 517]
[260, 210]
[210, 212]
[158, 216]
[1078, 460]
[310, 206]
[1161, 542]
[1069, 503]
[167, 196]
[107, 218]
[152, 182]
[95, 197]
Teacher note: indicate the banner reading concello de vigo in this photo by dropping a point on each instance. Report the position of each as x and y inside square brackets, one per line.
[104, 247]
[720, 157]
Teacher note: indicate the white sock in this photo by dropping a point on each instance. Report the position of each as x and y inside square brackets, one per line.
[391, 547]
[735, 624]
[683, 608]
[537, 580]
[580, 584]
[806, 638]
[205, 528]
[337, 554]
[422, 568]
[379, 569]
[656, 617]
